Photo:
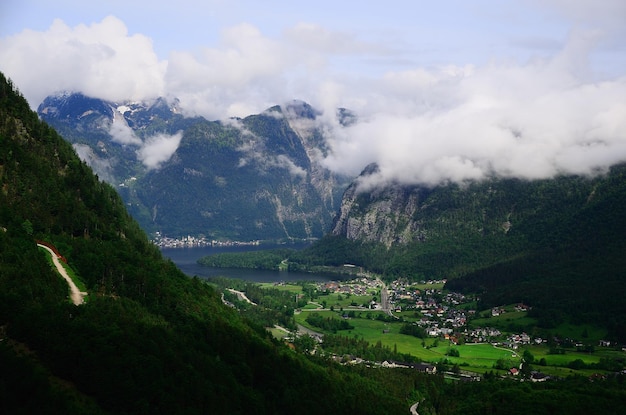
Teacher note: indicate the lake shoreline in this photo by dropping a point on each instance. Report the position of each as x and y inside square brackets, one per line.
[186, 260]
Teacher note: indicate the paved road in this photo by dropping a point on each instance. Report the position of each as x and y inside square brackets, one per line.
[384, 299]
[76, 295]
[304, 330]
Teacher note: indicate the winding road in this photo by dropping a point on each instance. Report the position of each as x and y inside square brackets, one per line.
[77, 296]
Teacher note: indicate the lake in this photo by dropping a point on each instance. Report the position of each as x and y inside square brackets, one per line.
[186, 259]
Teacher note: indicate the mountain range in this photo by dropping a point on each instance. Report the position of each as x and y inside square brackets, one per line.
[259, 177]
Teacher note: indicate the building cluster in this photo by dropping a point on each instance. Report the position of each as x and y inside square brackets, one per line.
[513, 341]
[189, 241]
[482, 335]
[358, 286]
[440, 314]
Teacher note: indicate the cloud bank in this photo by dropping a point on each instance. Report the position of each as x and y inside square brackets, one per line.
[158, 149]
[121, 133]
[101, 60]
[534, 121]
[153, 151]
[559, 111]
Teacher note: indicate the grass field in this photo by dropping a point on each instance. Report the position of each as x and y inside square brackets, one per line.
[337, 300]
[277, 333]
[478, 358]
[571, 355]
[283, 287]
[346, 300]
[372, 332]
[517, 319]
[481, 357]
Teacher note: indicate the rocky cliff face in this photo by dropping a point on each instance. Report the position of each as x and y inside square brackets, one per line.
[388, 215]
[400, 214]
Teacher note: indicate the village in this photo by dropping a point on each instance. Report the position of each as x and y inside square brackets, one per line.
[441, 314]
[450, 319]
[190, 241]
[434, 330]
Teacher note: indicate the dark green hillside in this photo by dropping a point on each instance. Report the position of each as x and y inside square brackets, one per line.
[577, 266]
[149, 340]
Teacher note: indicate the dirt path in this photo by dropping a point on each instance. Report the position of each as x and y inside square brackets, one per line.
[75, 294]
[241, 295]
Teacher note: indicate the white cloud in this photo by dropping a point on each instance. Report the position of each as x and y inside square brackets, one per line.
[153, 151]
[121, 133]
[100, 60]
[530, 121]
[558, 110]
[254, 151]
[158, 149]
[244, 75]
[285, 162]
[102, 166]
[588, 12]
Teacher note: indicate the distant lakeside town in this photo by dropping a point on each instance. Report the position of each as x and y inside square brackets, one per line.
[189, 241]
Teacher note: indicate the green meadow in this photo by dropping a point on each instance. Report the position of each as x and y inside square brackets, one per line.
[296, 289]
[336, 300]
[510, 320]
[479, 357]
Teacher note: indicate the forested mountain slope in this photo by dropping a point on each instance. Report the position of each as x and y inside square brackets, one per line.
[259, 177]
[149, 339]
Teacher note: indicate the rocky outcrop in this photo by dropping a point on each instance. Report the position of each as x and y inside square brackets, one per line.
[388, 215]
[401, 214]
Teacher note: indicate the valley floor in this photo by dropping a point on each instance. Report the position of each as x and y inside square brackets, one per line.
[445, 329]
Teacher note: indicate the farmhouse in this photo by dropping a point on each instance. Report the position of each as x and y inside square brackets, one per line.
[425, 367]
[538, 377]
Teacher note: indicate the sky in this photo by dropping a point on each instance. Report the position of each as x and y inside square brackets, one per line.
[445, 91]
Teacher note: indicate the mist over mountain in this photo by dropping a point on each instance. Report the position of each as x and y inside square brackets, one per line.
[258, 177]
[551, 112]
[511, 238]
